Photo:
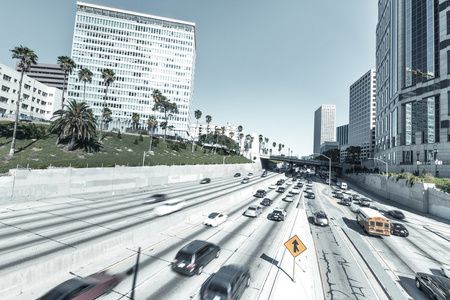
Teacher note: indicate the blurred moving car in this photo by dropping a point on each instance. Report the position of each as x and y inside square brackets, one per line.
[445, 270]
[90, 287]
[156, 198]
[278, 214]
[288, 198]
[245, 180]
[205, 180]
[320, 218]
[237, 175]
[310, 195]
[399, 229]
[169, 207]
[396, 214]
[365, 202]
[434, 286]
[250, 174]
[260, 193]
[339, 196]
[281, 189]
[253, 211]
[356, 197]
[272, 186]
[228, 283]
[345, 202]
[266, 202]
[215, 219]
[192, 258]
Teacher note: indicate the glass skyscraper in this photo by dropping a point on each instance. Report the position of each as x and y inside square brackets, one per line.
[146, 53]
[412, 100]
[324, 126]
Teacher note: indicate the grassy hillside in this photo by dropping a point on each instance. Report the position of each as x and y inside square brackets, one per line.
[35, 148]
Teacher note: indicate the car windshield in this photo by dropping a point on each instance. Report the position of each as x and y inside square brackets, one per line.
[213, 215]
[321, 216]
[182, 256]
[252, 208]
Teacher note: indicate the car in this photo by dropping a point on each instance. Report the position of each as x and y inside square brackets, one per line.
[90, 287]
[396, 214]
[237, 175]
[253, 211]
[249, 174]
[280, 182]
[205, 180]
[337, 191]
[434, 286]
[308, 190]
[229, 282]
[345, 202]
[399, 229]
[365, 202]
[169, 207]
[339, 196]
[289, 182]
[281, 189]
[299, 184]
[215, 219]
[310, 195]
[272, 186]
[192, 258]
[445, 270]
[374, 207]
[156, 198]
[295, 190]
[264, 174]
[355, 197]
[288, 198]
[278, 214]
[260, 193]
[266, 202]
[309, 185]
[320, 218]
[245, 180]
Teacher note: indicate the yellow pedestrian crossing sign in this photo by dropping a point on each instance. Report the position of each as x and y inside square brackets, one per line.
[295, 246]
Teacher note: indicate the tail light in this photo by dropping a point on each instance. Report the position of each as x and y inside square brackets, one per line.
[191, 267]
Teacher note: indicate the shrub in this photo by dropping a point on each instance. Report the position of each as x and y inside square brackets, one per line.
[136, 141]
[42, 166]
[416, 172]
[424, 172]
[119, 136]
[141, 138]
[402, 170]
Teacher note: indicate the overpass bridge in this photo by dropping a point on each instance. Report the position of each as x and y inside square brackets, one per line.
[293, 161]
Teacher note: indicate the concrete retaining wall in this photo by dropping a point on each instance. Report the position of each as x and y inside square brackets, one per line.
[422, 197]
[30, 185]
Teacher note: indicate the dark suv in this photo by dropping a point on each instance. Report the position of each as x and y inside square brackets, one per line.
[194, 256]
[260, 193]
[228, 283]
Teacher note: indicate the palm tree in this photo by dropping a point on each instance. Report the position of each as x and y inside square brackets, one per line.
[208, 120]
[217, 130]
[198, 115]
[85, 75]
[266, 144]
[152, 122]
[77, 120]
[248, 139]
[274, 144]
[241, 136]
[162, 104]
[135, 120]
[240, 128]
[106, 115]
[67, 65]
[261, 139]
[108, 77]
[26, 57]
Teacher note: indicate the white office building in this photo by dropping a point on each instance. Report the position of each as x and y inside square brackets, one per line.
[324, 126]
[146, 53]
[38, 101]
[362, 110]
[231, 130]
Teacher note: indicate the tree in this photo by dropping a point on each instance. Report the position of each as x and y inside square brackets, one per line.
[152, 123]
[108, 77]
[163, 105]
[240, 129]
[106, 115]
[266, 144]
[353, 154]
[26, 57]
[67, 65]
[85, 75]
[208, 120]
[135, 120]
[260, 139]
[76, 120]
[198, 115]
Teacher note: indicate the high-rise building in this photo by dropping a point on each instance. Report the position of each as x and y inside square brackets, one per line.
[362, 109]
[48, 74]
[324, 126]
[412, 103]
[38, 101]
[146, 53]
[342, 135]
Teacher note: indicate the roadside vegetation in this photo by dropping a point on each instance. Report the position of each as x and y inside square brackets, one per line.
[36, 148]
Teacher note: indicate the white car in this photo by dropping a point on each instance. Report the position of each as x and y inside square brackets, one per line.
[295, 190]
[289, 198]
[253, 211]
[288, 182]
[309, 190]
[169, 207]
[215, 219]
[445, 270]
[272, 186]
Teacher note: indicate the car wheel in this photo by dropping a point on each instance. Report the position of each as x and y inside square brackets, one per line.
[199, 270]
[248, 282]
[217, 253]
[418, 284]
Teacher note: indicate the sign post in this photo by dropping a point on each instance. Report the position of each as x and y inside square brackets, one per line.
[295, 246]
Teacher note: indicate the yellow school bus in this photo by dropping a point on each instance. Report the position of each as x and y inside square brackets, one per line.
[373, 222]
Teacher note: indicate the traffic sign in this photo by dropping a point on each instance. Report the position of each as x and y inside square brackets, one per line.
[295, 246]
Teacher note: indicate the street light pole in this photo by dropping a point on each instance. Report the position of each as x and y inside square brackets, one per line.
[329, 171]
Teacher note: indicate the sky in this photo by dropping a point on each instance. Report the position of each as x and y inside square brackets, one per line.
[263, 64]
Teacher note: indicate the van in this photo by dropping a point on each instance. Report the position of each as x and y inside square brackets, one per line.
[343, 186]
[193, 257]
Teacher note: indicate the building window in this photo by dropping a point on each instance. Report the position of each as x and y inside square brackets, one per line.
[6, 77]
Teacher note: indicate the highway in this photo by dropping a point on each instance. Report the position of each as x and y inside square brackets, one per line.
[350, 264]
